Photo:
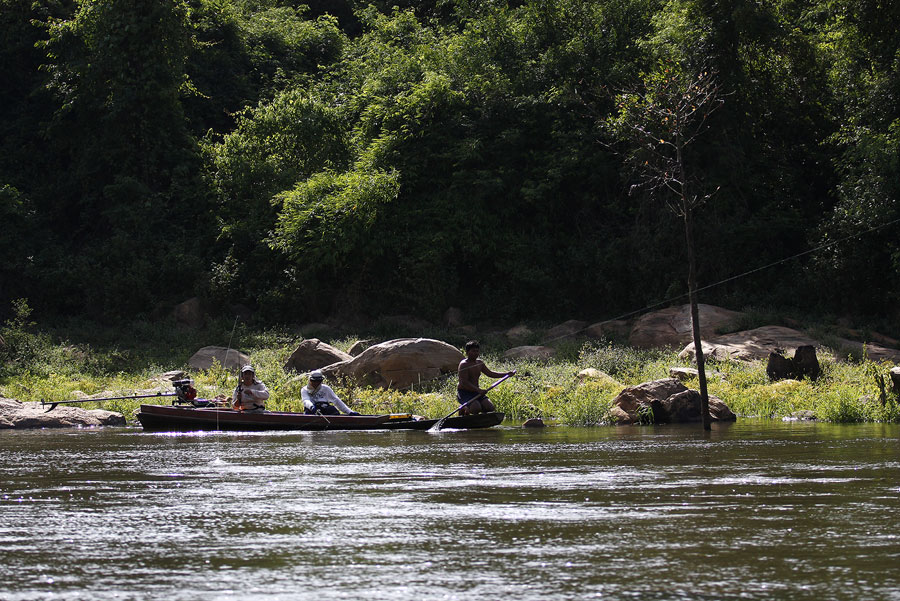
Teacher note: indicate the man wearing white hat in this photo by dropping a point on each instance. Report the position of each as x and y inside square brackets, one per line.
[250, 394]
[320, 399]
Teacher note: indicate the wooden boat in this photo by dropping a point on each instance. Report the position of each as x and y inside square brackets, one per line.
[180, 418]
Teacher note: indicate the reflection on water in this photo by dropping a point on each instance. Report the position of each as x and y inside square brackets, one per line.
[752, 510]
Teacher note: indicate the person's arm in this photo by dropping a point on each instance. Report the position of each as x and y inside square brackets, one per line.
[307, 401]
[336, 401]
[260, 392]
[494, 374]
[235, 397]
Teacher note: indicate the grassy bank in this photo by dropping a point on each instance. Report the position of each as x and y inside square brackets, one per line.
[81, 359]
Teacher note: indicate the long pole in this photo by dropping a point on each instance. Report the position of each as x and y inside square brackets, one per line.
[53, 404]
[440, 422]
[695, 317]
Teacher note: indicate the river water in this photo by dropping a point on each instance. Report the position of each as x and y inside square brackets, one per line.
[752, 510]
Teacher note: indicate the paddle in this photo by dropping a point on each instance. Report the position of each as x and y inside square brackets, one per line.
[440, 422]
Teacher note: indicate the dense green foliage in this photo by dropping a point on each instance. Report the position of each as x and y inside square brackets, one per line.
[353, 158]
[34, 368]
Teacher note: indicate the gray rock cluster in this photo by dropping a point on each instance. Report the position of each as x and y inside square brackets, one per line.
[664, 401]
[16, 414]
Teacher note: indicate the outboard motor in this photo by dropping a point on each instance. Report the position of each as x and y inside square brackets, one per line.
[185, 392]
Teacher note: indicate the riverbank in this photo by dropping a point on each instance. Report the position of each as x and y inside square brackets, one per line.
[575, 387]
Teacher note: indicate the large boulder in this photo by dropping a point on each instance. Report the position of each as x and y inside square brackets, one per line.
[668, 401]
[750, 345]
[895, 379]
[875, 352]
[519, 333]
[16, 414]
[806, 364]
[229, 359]
[399, 363]
[757, 344]
[313, 354]
[453, 318]
[539, 353]
[565, 331]
[671, 327]
[616, 329]
[779, 367]
[359, 346]
[190, 313]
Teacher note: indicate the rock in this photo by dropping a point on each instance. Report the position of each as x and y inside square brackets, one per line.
[190, 313]
[565, 331]
[681, 407]
[399, 363]
[534, 422]
[876, 337]
[626, 404]
[803, 365]
[668, 400]
[16, 414]
[689, 373]
[453, 318]
[316, 330]
[800, 416]
[719, 411]
[229, 359]
[750, 345]
[806, 364]
[683, 373]
[616, 329]
[519, 333]
[672, 327]
[359, 346]
[540, 353]
[895, 379]
[779, 367]
[171, 376]
[313, 354]
[875, 352]
[591, 373]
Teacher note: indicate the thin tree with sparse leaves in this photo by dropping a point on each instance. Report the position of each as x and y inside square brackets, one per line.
[661, 122]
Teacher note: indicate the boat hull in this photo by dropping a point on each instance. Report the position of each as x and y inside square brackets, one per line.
[174, 418]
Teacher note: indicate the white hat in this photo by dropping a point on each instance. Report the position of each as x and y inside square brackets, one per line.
[248, 368]
[316, 375]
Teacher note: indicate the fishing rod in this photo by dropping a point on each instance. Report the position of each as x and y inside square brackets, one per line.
[184, 390]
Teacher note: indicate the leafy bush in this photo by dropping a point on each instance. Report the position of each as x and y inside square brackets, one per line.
[20, 347]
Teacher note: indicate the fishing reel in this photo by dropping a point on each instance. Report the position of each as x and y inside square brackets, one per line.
[185, 391]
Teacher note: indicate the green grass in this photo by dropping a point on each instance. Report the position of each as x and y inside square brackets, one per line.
[64, 363]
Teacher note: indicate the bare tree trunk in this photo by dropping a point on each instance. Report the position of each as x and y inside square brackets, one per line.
[695, 315]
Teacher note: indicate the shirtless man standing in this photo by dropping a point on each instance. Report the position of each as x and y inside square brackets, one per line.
[469, 395]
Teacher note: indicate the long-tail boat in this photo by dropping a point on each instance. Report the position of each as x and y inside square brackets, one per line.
[181, 418]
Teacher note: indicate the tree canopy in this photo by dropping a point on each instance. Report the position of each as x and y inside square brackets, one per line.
[365, 158]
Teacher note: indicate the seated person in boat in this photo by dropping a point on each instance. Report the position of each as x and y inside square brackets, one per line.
[468, 393]
[250, 394]
[320, 399]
